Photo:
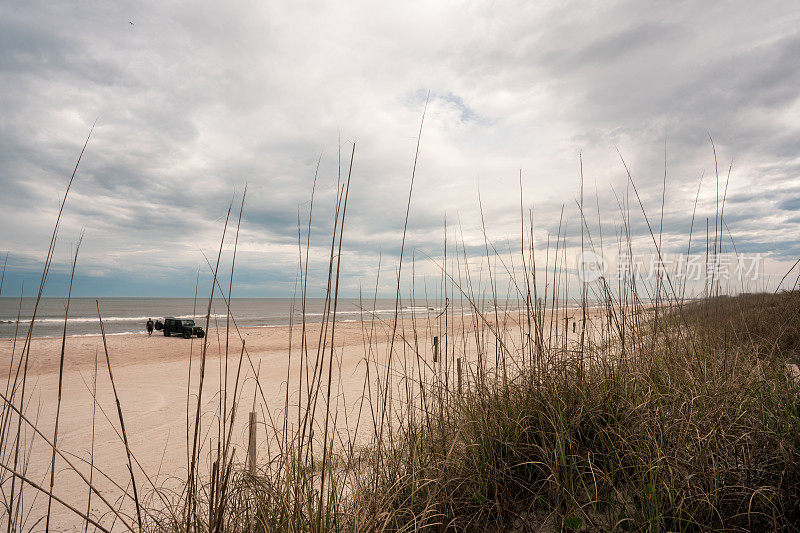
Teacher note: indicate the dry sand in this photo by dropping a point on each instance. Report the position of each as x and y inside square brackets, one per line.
[151, 375]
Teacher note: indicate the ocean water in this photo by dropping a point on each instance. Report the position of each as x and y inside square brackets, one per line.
[129, 315]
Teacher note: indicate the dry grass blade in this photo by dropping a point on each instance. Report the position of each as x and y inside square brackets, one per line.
[121, 419]
[60, 384]
[191, 503]
[26, 345]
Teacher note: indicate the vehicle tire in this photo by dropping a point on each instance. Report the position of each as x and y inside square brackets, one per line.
[200, 335]
[186, 334]
[166, 332]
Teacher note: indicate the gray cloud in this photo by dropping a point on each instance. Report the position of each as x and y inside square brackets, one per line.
[195, 100]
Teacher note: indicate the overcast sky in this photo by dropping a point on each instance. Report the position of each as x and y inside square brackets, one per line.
[195, 100]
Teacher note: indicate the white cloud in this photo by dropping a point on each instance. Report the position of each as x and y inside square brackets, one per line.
[194, 100]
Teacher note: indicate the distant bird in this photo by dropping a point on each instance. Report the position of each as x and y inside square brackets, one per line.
[131, 23]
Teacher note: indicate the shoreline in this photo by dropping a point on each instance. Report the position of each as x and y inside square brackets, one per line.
[404, 316]
[126, 349]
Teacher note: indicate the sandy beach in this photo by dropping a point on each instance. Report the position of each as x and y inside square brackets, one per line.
[151, 375]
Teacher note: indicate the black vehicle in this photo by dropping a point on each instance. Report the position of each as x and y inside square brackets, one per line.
[185, 328]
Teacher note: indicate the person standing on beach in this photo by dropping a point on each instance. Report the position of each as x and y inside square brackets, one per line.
[149, 326]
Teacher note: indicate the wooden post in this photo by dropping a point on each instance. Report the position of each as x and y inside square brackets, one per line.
[251, 446]
[435, 349]
[458, 369]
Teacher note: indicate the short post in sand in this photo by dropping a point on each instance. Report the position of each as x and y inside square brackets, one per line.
[251, 430]
[458, 370]
[435, 349]
[251, 445]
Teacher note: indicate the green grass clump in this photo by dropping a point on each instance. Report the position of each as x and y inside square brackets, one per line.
[681, 436]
